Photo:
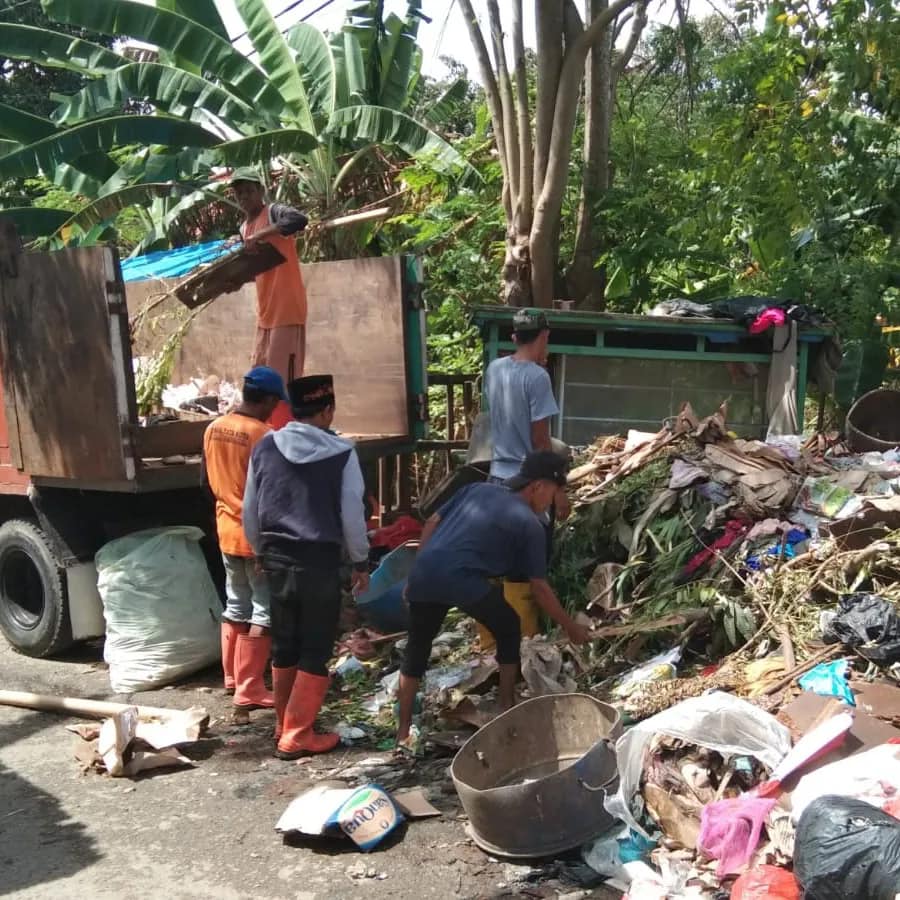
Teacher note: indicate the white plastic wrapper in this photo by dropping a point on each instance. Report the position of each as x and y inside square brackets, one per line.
[873, 776]
[718, 721]
[161, 607]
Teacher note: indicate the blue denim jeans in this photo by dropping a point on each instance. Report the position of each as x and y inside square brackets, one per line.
[246, 591]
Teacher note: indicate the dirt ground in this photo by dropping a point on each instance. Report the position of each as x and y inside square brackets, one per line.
[208, 831]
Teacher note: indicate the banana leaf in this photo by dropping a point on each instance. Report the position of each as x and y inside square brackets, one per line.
[173, 90]
[56, 50]
[98, 136]
[316, 66]
[276, 60]
[35, 221]
[377, 125]
[176, 34]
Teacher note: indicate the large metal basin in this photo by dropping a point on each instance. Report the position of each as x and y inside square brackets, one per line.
[873, 422]
[533, 781]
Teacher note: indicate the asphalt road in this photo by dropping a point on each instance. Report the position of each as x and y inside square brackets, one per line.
[206, 831]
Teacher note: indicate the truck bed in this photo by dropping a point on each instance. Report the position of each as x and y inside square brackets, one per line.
[70, 416]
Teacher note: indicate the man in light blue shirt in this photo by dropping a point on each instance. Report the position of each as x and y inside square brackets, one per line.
[520, 396]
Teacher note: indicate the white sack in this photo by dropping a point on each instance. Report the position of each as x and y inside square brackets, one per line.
[161, 607]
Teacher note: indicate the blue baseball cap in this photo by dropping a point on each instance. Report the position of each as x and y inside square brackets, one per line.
[267, 380]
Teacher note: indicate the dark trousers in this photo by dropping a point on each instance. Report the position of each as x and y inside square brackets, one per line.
[426, 620]
[306, 605]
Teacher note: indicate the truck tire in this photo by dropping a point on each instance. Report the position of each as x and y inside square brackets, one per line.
[34, 614]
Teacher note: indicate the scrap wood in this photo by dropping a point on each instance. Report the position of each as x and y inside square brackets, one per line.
[804, 667]
[99, 709]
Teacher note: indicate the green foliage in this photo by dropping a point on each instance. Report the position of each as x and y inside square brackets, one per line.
[334, 114]
[774, 172]
[459, 233]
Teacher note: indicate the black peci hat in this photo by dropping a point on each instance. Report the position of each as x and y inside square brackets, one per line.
[311, 394]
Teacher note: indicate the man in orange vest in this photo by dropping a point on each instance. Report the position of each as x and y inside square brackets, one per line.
[280, 292]
[227, 445]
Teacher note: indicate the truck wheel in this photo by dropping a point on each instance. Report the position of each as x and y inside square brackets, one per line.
[34, 614]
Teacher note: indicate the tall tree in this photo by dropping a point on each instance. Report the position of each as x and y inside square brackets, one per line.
[535, 153]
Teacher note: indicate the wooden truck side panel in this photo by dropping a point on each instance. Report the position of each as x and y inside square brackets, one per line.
[62, 365]
[356, 331]
[12, 481]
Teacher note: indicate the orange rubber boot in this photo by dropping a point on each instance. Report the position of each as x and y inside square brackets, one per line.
[282, 685]
[230, 632]
[250, 659]
[298, 738]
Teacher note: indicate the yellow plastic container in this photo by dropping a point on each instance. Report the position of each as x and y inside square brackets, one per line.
[518, 595]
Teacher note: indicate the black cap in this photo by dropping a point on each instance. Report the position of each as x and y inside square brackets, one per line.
[311, 394]
[542, 465]
[530, 320]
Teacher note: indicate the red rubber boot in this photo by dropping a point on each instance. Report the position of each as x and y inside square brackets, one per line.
[230, 632]
[282, 685]
[298, 738]
[250, 660]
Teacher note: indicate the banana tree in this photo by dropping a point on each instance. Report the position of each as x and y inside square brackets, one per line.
[308, 106]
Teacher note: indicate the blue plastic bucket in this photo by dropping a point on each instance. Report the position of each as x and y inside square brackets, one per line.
[382, 604]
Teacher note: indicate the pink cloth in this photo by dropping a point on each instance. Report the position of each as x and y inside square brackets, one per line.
[730, 830]
[768, 318]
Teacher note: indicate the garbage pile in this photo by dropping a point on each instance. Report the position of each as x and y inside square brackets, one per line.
[751, 542]
[748, 595]
[210, 396]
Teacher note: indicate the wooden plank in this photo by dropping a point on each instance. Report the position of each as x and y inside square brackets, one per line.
[451, 413]
[354, 332]
[238, 268]
[468, 407]
[58, 363]
[169, 439]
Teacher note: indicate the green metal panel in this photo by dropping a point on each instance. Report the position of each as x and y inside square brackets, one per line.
[607, 336]
[802, 377]
[416, 350]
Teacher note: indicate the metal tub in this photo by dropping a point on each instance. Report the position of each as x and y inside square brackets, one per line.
[533, 781]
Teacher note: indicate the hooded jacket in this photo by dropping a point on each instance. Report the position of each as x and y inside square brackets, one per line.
[304, 498]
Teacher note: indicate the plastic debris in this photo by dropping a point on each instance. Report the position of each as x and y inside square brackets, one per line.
[847, 850]
[869, 624]
[766, 883]
[717, 721]
[730, 831]
[873, 776]
[829, 680]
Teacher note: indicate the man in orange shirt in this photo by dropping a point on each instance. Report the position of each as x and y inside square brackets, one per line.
[280, 293]
[227, 445]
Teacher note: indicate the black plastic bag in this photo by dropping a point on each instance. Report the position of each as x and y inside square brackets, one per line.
[846, 849]
[868, 623]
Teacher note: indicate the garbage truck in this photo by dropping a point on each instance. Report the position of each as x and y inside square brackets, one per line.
[79, 466]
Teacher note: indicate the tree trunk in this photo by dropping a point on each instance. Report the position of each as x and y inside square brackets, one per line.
[586, 280]
[548, 205]
[517, 268]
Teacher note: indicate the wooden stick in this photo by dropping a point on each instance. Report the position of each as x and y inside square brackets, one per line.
[77, 706]
[787, 648]
[686, 617]
[381, 212]
[388, 637]
[791, 676]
